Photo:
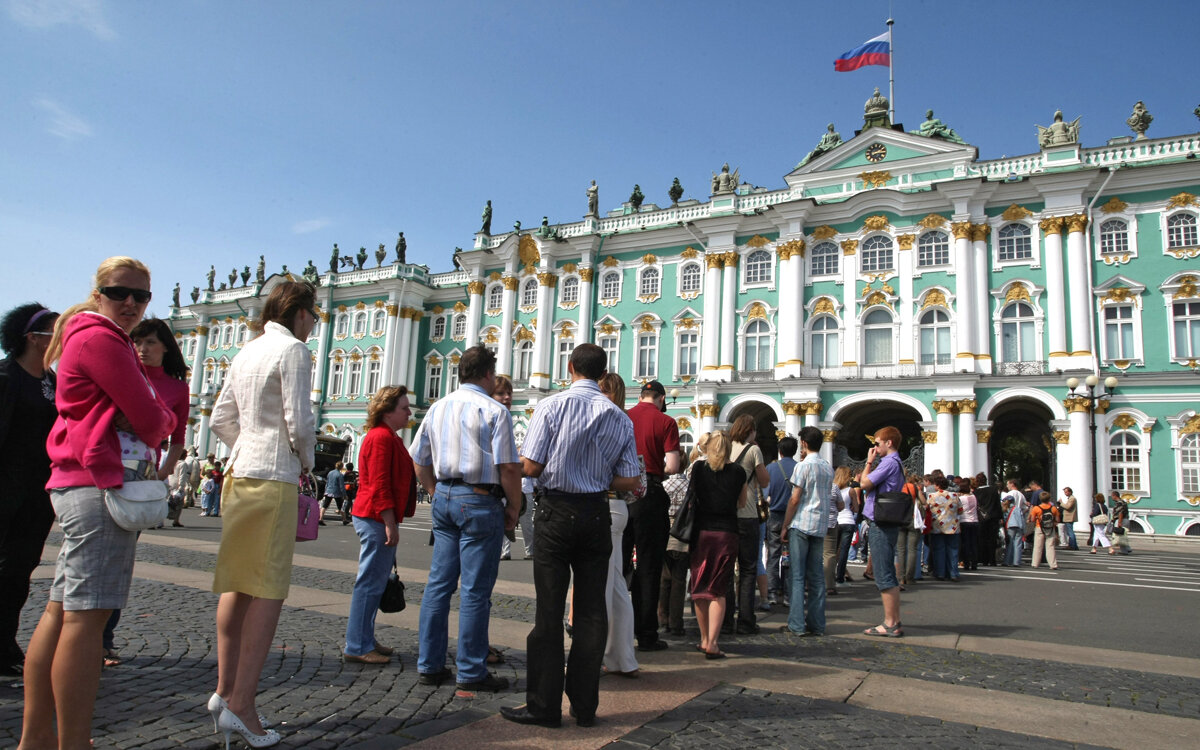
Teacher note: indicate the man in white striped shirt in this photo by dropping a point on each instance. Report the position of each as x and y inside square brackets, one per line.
[804, 525]
[466, 459]
[579, 445]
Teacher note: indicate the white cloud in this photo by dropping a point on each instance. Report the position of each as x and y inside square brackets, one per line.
[46, 13]
[62, 123]
[309, 225]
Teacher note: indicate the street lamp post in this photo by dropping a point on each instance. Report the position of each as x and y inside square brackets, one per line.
[1091, 381]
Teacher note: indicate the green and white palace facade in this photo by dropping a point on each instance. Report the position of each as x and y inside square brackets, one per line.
[892, 279]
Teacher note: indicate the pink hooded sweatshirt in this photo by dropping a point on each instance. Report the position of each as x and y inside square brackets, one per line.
[99, 377]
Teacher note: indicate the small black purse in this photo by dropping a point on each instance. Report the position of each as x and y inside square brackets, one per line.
[684, 527]
[893, 509]
[392, 599]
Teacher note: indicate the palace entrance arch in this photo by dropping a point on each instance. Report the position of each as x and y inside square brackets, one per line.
[863, 419]
[1022, 443]
[764, 425]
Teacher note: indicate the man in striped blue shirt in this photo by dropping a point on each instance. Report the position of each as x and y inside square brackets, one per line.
[466, 459]
[804, 525]
[579, 445]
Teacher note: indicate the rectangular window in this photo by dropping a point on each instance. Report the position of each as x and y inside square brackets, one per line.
[433, 384]
[689, 354]
[647, 355]
[565, 346]
[374, 369]
[609, 345]
[1118, 332]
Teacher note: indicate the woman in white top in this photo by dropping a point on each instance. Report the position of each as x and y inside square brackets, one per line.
[264, 414]
[846, 520]
[619, 657]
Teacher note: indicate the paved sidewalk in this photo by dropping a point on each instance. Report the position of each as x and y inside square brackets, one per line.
[775, 690]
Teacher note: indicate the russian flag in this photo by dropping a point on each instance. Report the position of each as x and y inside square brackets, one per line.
[875, 51]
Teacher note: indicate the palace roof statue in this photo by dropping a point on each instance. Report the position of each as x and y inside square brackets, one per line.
[1059, 133]
[934, 128]
[829, 141]
[1139, 121]
[725, 182]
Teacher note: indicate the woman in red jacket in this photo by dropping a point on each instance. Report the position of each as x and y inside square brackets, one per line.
[385, 495]
[109, 423]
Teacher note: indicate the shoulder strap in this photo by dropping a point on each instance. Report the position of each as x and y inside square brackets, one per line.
[745, 449]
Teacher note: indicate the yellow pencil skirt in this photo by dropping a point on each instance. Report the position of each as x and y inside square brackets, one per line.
[258, 537]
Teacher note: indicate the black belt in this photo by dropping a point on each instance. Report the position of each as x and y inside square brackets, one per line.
[484, 489]
[580, 496]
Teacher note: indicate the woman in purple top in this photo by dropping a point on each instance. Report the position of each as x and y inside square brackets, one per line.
[888, 476]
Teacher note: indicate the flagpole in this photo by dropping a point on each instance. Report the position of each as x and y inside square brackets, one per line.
[891, 77]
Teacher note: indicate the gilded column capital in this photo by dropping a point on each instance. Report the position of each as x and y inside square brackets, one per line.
[511, 283]
[585, 274]
[1062, 437]
[475, 287]
[547, 279]
[393, 310]
[849, 247]
[791, 408]
[980, 232]
[1051, 225]
[905, 241]
[829, 435]
[713, 260]
[961, 230]
[417, 315]
[791, 248]
[709, 410]
[966, 406]
[983, 436]
[945, 407]
[929, 436]
[202, 330]
[1076, 223]
[729, 259]
[812, 408]
[1076, 403]
[1102, 405]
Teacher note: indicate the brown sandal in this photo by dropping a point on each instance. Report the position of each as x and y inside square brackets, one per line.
[495, 656]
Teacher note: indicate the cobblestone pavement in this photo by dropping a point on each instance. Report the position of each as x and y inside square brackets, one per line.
[738, 718]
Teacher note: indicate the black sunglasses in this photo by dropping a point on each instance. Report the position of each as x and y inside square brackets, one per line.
[121, 293]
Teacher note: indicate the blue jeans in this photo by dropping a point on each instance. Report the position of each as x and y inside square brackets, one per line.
[374, 563]
[883, 546]
[773, 527]
[467, 530]
[1016, 545]
[807, 613]
[943, 555]
[210, 503]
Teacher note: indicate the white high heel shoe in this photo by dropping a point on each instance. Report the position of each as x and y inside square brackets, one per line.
[229, 723]
[216, 704]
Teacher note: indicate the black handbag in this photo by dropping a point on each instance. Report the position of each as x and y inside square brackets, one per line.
[893, 509]
[393, 593]
[684, 527]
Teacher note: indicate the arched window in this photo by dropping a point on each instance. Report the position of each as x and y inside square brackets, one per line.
[438, 329]
[341, 325]
[649, 284]
[226, 336]
[610, 285]
[933, 249]
[360, 324]
[1017, 343]
[876, 254]
[1189, 463]
[825, 342]
[1114, 237]
[529, 292]
[495, 296]
[523, 362]
[758, 267]
[689, 278]
[378, 321]
[243, 331]
[935, 338]
[825, 259]
[210, 368]
[877, 338]
[1185, 324]
[354, 381]
[686, 441]
[459, 331]
[570, 290]
[757, 337]
[1016, 242]
[220, 370]
[1125, 464]
[1181, 231]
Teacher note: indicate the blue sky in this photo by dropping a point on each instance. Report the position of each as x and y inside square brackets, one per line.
[192, 132]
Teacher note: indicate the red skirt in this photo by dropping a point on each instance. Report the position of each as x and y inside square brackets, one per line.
[713, 556]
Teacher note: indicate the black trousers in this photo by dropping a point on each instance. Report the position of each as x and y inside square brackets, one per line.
[647, 530]
[742, 587]
[989, 532]
[25, 520]
[968, 552]
[574, 538]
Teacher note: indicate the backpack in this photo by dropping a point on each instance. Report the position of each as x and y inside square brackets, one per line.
[1047, 520]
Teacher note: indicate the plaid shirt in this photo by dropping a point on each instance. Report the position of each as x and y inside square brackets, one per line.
[813, 477]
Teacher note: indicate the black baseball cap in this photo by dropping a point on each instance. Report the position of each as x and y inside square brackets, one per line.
[655, 386]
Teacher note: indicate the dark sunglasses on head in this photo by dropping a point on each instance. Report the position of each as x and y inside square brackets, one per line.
[121, 293]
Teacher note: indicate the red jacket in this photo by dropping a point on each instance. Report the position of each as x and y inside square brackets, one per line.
[385, 476]
[99, 377]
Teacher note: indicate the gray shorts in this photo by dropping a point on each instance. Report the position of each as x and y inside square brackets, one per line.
[95, 563]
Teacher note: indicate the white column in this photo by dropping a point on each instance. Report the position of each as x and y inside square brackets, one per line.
[474, 311]
[981, 446]
[1077, 470]
[791, 417]
[710, 328]
[414, 337]
[1056, 310]
[850, 347]
[904, 287]
[197, 365]
[945, 436]
[708, 417]
[540, 377]
[983, 335]
[403, 376]
[966, 303]
[827, 444]
[783, 321]
[508, 308]
[585, 334]
[1081, 295]
[205, 436]
[323, 333]
[729, 287]
[790, 331]
[389, 341]
[966, 438]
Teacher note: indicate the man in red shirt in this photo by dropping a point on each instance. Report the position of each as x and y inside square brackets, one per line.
[657, 437]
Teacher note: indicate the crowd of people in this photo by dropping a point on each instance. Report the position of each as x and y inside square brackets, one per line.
[617, 520]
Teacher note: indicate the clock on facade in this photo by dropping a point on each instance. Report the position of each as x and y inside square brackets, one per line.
[876, 152]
